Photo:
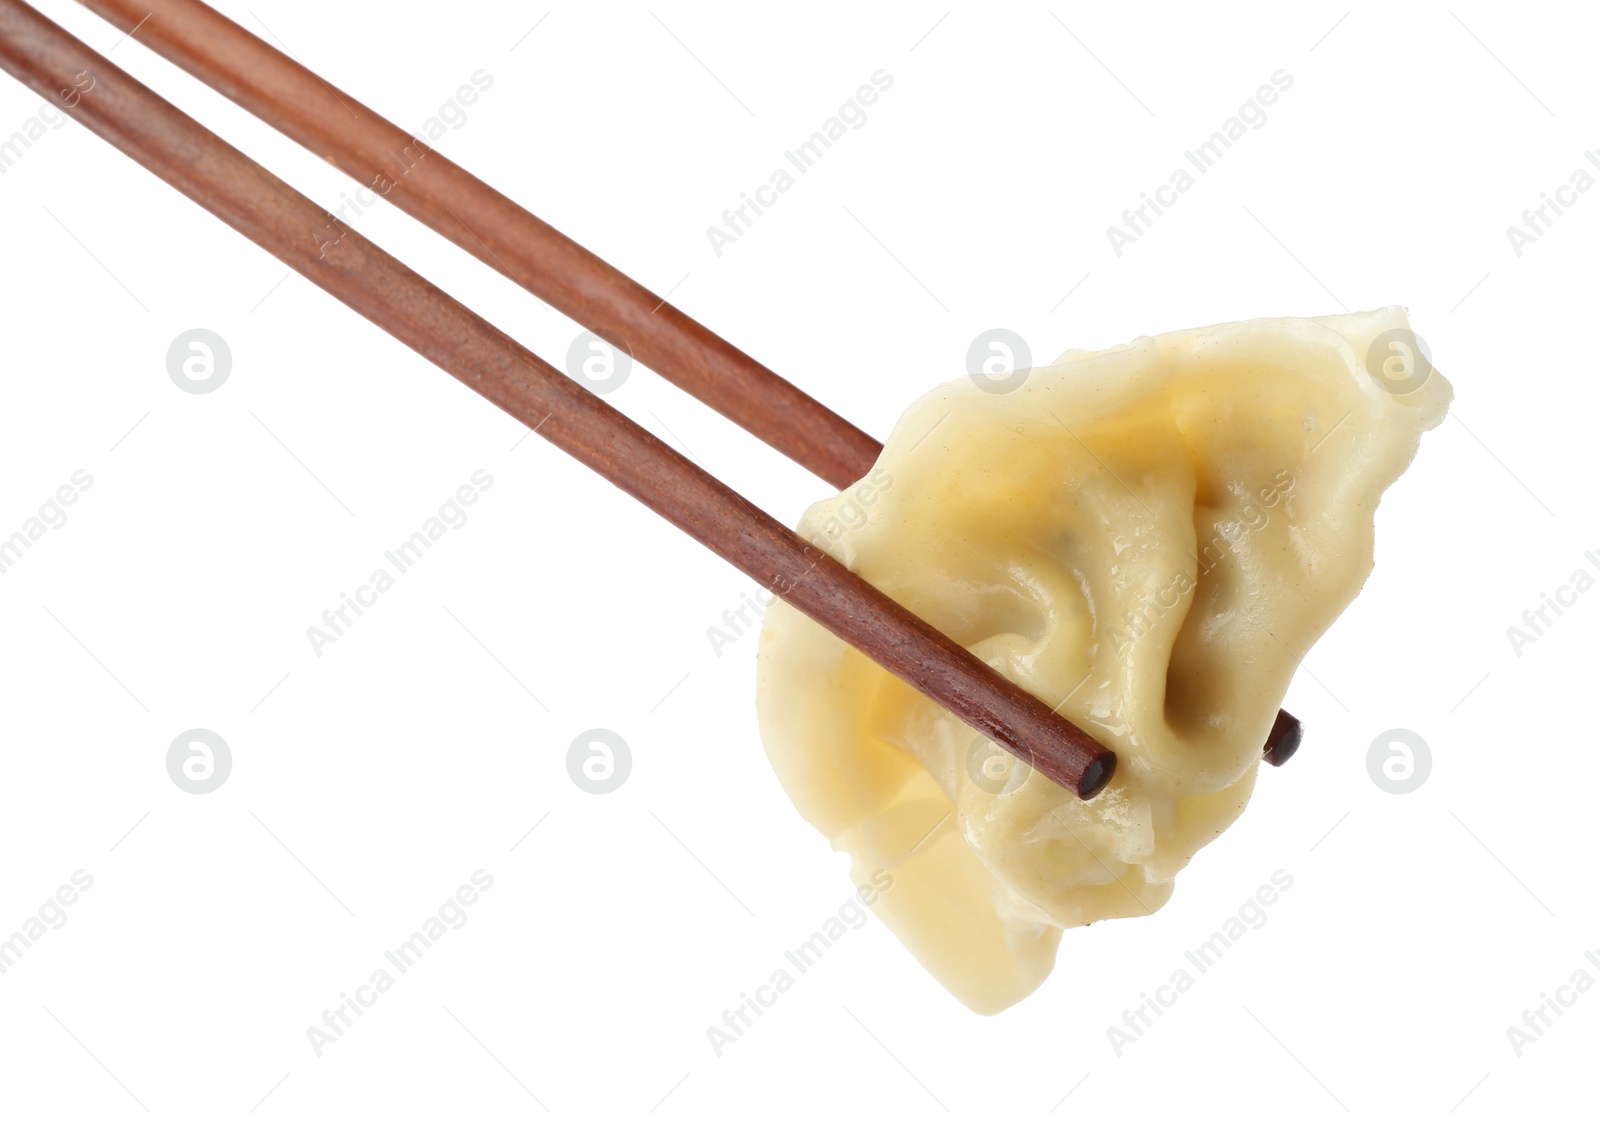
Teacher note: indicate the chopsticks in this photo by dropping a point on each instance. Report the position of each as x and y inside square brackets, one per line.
[304, 236]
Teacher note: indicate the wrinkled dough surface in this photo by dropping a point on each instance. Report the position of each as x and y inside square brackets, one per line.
[1151, 536]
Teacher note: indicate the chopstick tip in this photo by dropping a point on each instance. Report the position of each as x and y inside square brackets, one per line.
[1285, 738]
[1097, 774]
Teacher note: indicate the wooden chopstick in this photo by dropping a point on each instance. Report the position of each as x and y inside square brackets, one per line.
[305, 237]
[437, 192]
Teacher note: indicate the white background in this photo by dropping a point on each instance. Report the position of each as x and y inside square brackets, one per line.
[369, 782]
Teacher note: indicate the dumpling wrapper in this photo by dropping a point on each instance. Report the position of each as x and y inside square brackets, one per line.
[1151, 536]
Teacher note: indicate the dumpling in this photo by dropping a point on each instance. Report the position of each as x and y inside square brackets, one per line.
[1151, 537]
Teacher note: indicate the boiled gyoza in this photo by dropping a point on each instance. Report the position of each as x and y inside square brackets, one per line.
[1150, 536]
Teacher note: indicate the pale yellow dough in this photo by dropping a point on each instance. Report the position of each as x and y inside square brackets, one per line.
[1155, 534]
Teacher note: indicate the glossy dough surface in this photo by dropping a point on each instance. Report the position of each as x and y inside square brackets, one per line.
[1152, 536]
